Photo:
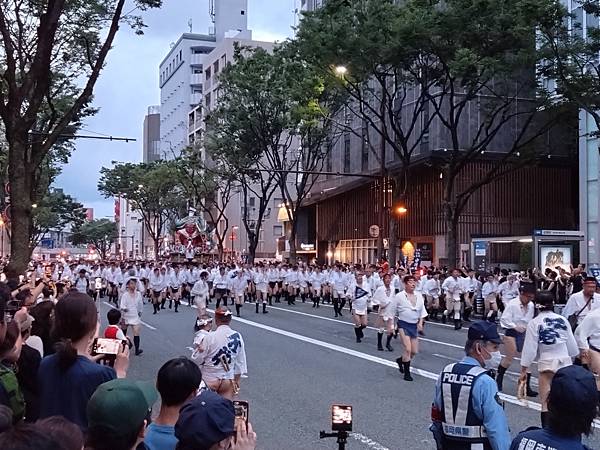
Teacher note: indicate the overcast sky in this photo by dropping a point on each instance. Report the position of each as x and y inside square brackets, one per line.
[129, 84]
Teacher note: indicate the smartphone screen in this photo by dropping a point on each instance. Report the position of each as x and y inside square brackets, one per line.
[341, 418]
[103, 346]
[241, 410]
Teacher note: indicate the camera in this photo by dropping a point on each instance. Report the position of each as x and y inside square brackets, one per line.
[241, 410]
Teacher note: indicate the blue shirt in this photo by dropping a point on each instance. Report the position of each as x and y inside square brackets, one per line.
[160, 437]
[546, 439]
[485, 406]
[66, 393]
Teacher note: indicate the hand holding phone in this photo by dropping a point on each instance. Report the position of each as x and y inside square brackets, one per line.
[241, 410]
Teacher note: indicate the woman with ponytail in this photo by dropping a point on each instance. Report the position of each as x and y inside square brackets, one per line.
[69, 377]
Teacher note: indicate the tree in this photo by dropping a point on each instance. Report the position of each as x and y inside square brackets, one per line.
[55, 211]
[209, 190]
[100, 233]
[484, 58]
[251, 120]
[51, 55]
[360, 44]
[569, 63]
[151, 188]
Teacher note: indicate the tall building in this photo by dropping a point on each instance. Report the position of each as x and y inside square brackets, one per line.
[151, 144]
[311, 5]
[180, 80]
[589, 159]
[271, 230]
[230, 18]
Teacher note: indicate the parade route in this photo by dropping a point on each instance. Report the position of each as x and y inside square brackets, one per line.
[302, 359]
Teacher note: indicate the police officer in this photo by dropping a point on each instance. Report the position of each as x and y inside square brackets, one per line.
[466, 413]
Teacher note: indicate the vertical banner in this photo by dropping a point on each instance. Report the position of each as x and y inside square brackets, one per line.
[480, 257]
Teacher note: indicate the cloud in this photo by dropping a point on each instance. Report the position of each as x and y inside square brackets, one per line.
[129, 84]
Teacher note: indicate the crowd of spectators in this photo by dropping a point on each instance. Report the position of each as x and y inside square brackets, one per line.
[55, 394]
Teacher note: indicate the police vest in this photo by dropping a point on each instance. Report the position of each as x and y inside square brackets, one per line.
[9, 382]
[460, 422]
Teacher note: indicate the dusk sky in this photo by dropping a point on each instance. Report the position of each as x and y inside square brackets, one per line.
[129, 84]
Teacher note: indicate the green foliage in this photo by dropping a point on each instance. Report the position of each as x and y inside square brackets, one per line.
[100, 233]
[55, 211]
[152, 189]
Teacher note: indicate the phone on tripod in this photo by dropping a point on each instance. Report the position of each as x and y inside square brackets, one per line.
[341, 418]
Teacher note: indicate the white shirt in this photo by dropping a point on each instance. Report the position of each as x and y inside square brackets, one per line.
[588, 331]
[549, 336]
[156, 282]
[489, 288]
[131, 306]
[200, 289]
[431, 287]
[516, 315]
[221, 281]
[239, 284]
[452, 287]
[227, 343]
[361, 297]
[385, 298]
[407, 311]
[338, 281]
[508, 290]
[577, 302]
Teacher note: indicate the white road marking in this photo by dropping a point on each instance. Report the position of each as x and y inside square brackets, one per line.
[143, 323]
[369, 327]
[368, 442]
[424, 373]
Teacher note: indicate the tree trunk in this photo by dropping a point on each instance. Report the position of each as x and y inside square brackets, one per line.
[156, 240]
[220, 250]
[20, 209]
[393, 241]
[451, 216]
[252, 244]
[292, 242]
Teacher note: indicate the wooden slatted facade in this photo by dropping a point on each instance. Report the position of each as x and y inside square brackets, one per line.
[518, 203]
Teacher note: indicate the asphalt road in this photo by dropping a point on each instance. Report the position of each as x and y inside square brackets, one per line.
[301, 360]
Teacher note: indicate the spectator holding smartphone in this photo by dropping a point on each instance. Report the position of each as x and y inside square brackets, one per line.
[208, 422]
[70, 376]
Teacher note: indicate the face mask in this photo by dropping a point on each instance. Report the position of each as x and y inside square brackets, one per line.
[494, 361]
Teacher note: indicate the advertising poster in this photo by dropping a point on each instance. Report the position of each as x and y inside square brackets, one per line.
[554, 256]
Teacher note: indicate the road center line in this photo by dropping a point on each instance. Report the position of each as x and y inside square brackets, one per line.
[369, 327]
[143, 323]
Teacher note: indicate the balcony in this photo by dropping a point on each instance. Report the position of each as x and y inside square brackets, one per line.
[196, 78]
[195, 99]
[197, 59]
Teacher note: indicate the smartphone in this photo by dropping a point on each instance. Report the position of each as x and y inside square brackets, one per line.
[241, 410]
[103, 346]
[341, 418]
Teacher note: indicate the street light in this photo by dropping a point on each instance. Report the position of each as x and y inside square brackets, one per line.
[401, 210]
[34, 205]
[341, 70]
[232, 238]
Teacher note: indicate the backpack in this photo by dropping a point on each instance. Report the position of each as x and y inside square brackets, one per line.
[9, 382]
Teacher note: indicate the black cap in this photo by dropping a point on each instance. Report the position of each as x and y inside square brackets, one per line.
[482, 330]
[573, 389]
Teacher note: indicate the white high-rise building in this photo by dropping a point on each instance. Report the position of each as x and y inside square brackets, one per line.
[230, 18]
[181, 77]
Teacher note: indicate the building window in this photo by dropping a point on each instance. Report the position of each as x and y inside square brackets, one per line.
[365, 149]
[251, 201]
[347, 154]
[243, 12]
[216, 67]
[277, 230]
[277, 201]
[208, 74]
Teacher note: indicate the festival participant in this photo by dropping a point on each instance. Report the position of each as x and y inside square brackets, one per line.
[239, 286]
[550, 340]
[200, 294]
[131, 306]
[453, 290]
[221, 285]
[384, 300]
[361, 294]
[515, 318]
[273, 289]
[156, 284]
[431, 292]
[489, 292]
[222, 356]
[337, 283]
[261, 285]
[317, 280]
[176, 281]
[410, 308]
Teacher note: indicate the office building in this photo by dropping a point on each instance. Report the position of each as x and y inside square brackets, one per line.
[151, 138]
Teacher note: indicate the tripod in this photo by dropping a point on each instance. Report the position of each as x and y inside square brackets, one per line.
[342, 438]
